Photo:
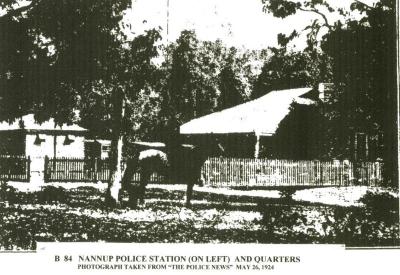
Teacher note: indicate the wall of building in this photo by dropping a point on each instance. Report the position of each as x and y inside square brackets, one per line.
[75, 149]
[38, 150]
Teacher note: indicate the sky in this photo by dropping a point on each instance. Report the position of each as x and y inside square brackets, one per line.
[239, 23]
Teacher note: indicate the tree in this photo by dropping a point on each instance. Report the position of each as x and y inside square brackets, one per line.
[230, 88]
[188, 85]
[134, 77]
[299, 134]
[363, 57]
[201, 77]
[52, 50]
[236, 77]
[286, 69]
[62, 56]
[190, 88]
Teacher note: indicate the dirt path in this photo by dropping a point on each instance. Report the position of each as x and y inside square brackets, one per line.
[342, 196]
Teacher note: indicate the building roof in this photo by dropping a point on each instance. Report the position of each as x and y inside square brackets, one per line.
[100, 141]
[158, 144]
[28, 123]
[150, 144]
[260, 116]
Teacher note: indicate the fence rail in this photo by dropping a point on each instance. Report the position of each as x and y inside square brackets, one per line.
[84, 170]
[215, 171]
[266, 172]
[14, 168]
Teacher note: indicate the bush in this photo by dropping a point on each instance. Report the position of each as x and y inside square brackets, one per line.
[52, 194]
[383, 201]
[353, 226]
[287, 193]
[382, 206]
[7, 193]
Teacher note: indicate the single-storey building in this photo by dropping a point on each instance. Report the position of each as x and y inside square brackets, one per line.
[247, 127]
[26, 137]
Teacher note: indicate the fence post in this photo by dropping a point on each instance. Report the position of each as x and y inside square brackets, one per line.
[28, 166]
[95, 169]
[9, 168]
[315, 166]
[45, 172]
[321, 173]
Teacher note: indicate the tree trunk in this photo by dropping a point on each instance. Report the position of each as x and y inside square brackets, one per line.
[115, 179]
[189, 193]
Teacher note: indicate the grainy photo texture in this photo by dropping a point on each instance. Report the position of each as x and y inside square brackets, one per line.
[205, 121]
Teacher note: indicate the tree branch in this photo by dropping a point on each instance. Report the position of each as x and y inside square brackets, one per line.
[319, 13]
[365, 5]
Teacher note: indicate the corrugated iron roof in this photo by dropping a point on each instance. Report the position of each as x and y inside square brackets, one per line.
[261, 116]
[29, 123]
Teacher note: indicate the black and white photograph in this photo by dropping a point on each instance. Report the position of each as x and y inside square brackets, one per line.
[199, 121]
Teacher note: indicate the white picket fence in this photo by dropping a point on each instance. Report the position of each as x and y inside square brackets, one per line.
[267, 172]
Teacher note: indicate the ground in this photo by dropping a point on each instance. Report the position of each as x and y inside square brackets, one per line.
[76, 213]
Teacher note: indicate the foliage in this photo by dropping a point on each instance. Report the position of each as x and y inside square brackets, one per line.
[286, 69]
[358, 57]
[51, 51]
[203, 76]
[230, 84]
[350, 226]
[382, 205]
[7, 192]
[135, 79]
[300, 134]
[287, 194]
[51, 194]
[189, 90]
[364, 74]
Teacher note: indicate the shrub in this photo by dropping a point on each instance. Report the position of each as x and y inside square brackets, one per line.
[287, 193]
[52, 194]
[7, 192]
[383, 201]
[382, 206]
[353, 226]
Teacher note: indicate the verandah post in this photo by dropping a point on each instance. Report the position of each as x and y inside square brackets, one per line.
[46, 163]
[28, 168]
[95, 169]
[257, 147]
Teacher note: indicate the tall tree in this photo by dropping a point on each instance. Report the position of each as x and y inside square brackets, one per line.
[191, 87]
[230, 87]
[236, 76]
[134, 77]
[286, 69]
[362, 54]
[363, 57]
[59, 56]
[51, 50]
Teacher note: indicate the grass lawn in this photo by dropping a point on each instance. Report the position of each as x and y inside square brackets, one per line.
[68, 215]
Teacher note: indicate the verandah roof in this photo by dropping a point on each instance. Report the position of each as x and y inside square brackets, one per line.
[28, 123]
[260, 116]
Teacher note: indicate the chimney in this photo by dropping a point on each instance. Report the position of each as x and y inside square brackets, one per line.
[325, 90]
